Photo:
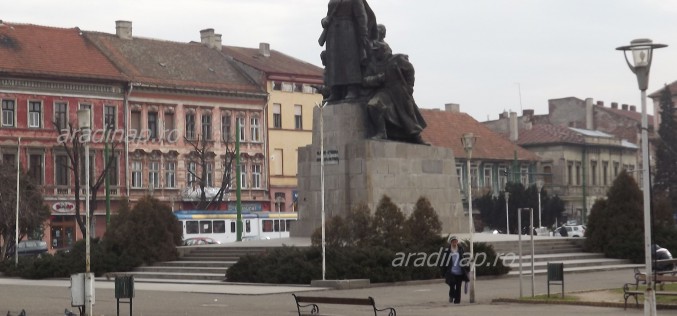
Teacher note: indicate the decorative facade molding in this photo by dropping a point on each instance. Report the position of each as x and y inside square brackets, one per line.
[61, 87]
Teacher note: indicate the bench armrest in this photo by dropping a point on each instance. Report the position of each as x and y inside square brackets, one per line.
[391, 311]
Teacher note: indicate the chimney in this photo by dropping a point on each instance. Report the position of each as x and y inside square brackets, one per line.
[600, 103]
[514, 135]
[123, 29]
[589, 112]
[624, 107]
[633, 108]
[217, 42]
[264, 49]
[528, 113]
[207, 37]
[503, 115]
[614, 105]
[452, 107]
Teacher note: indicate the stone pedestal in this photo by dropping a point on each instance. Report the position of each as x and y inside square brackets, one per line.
[359, 170]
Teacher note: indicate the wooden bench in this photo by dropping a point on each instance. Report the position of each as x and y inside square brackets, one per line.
[312, 301]
[660, 277]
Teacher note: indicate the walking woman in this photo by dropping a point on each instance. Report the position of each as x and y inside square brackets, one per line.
[455, 269]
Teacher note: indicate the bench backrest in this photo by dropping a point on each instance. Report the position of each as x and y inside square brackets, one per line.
[335, 300]
[660, 277]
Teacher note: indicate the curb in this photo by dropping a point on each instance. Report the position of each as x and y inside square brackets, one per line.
[581, 303]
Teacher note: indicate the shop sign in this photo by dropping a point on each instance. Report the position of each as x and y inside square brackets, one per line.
[63, 207]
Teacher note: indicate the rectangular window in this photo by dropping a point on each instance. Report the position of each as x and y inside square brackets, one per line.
[8, 111]
[113, 170]
[616, 165]
[488, 176]
[502, 177]
[190, 126]
[267, 226]
[225, 128]
[87, 106]
[287, 87]
[192, 227]
[243, 176]
[61, 115]
[36, 168]
[205, 227]
[277, 115]
[593, 172]
[152, 125]
[277, 85]
[219, 227]
[137, 169]
[298, 87]
[207, 126]
[570, 174]
[578, 173]
[191, 173]
[524, 173]
[256, 176]
[474, 177]
[243, 128]
[459, 173]
[9, 159]
[248, 226]
[109, 117]
[62, 171]
[308, 89]
[34, 114]
[210, 174]
[298, 117]
[254, 128]
[154, 174]
[135, 120]
[605, 173]
[170, 174]
[169, 127]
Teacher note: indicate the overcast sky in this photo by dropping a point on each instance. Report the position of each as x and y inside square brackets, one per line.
[486, 55]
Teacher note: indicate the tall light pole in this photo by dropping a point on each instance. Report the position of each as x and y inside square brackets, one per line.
[539, 187]
[16, 228]
[507, 217]
[324, 262]
[468, 141]
[84, 122]
[642, 53]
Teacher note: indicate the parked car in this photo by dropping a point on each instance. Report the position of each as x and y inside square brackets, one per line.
[29, 248]
[200, 241]
[575, 230]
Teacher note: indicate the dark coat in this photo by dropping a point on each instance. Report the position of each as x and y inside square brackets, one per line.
[445, 267]
[351, 25]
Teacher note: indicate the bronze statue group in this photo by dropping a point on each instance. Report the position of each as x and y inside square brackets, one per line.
[360, 67]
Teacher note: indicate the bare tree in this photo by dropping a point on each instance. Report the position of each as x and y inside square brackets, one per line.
[201, 157]
[74, 145]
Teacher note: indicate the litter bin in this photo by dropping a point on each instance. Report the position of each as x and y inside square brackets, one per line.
[124, 286]
[556, 275]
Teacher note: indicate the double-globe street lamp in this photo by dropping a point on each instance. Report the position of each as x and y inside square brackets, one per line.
[468, 141]
[642, 53]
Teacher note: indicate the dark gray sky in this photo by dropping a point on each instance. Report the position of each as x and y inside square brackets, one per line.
[487, 55]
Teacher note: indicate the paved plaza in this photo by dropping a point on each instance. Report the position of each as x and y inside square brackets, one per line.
[51, 297]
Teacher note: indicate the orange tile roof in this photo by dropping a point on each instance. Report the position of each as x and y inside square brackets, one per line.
[173, 64]
[445, 129]
[549, 134]
[27, 49]
[276, 64]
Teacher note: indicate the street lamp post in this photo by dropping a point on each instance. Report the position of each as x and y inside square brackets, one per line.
[468, 141]
[539, 187]
[324, 246]
[84, 122]
[507, 217]
[642, 53]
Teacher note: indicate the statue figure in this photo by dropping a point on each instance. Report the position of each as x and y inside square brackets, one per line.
[349, 28]
[391, 107]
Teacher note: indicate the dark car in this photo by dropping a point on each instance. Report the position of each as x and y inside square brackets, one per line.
[29, 248]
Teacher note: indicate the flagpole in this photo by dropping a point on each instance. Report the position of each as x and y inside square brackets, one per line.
[16, 229]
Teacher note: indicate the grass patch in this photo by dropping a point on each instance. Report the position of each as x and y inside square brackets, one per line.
[553, 298]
